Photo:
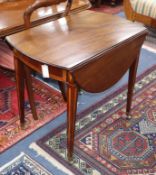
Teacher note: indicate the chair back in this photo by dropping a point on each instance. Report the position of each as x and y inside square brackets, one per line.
[43, 3]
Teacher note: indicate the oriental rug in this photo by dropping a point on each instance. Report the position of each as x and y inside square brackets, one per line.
[49, 104]
[105, 142]
[23, 165]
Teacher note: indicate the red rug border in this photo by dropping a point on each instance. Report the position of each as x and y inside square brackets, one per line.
[46, 122]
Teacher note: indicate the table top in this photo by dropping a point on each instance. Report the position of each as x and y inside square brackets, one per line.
[11, 14]
[74, 40]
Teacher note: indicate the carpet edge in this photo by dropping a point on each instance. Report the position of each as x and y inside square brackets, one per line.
[33, 146]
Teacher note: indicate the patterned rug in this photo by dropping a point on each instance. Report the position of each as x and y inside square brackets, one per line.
[105, 142]
[23, 165]
[49, 104]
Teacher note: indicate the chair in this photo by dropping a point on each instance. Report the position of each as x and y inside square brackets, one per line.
[143, 11]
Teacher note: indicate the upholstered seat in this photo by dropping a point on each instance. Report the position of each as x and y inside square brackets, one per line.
[144, 7]
[141, 10]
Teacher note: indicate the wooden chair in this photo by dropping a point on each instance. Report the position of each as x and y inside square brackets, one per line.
[43, 3]
[141, 16]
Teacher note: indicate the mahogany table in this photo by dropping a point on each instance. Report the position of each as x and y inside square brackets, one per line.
[87, 50]
[11, 17]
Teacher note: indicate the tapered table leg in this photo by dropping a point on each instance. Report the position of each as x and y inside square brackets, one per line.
[28, 80]
[72, 93]
[131, 83]
[19, 73]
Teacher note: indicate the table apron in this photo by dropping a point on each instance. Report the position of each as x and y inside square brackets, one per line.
[54, 72]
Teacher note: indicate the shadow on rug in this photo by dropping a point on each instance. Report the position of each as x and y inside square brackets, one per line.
[105, 142]
[49, 104]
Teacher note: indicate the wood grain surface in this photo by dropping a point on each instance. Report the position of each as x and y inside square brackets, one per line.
[11, 14]
[86, 34]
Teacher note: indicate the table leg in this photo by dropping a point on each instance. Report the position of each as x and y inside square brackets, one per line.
[131, 83]
[72, 93]
[63, 90]
[28, 81]
[19, 73]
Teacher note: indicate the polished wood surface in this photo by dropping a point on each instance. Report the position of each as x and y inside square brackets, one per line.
[63, 38]
[89, 50]
[133, 16]
[11, 14]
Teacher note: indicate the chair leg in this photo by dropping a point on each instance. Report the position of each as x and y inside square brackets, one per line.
[131, 83]
[19, 67]
[28, 80]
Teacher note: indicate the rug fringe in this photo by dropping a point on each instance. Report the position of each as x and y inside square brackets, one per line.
[49, 158]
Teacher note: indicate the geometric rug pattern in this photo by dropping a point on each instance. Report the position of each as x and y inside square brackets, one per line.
[105, 142]
[49, 104]
[23, 165]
